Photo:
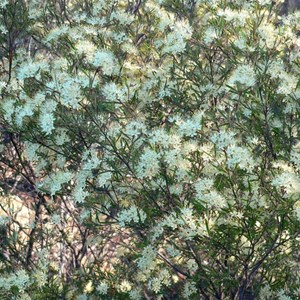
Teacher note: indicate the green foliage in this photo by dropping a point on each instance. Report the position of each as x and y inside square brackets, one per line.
[150, 150]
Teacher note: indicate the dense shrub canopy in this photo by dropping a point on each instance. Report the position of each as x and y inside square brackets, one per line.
[150, 150]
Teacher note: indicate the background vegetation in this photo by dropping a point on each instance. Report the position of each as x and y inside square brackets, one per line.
[150, 149]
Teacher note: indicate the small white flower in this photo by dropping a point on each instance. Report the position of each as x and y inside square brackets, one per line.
[125, 286]
[189, 289]
[102, 288]
[155, 285]
[3, 3]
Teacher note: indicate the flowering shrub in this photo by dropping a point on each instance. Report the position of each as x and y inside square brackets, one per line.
[158, 142]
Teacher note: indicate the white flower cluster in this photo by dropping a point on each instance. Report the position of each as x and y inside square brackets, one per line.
[61, 136]
[32, 69]
[55, 181]
[162, 138]
[240, 157]
[102, 288]
[268, 34]
[31, 151]
[80, 194]
[8, 107]
[163, 279]
[223, 139]
[236, 17]
[295, 156]
[170, 221]
[172, 251]
[56, 33]
[134, 84]
[122, 17]
[20, 279]
[41, 272]
[148, 165]
[47, 118]
[114, 92]
[23, 111]
[265, 293]
[105, 60]
[90, 161]
[192, 265]
[3, 3]
[210, 34]
[124, 286]
[297, 210]
[135, 128]
[132, 214]
[147, 260]
[86, 48]
[265, 2]
[189, 289]
[190, 126]
[206, 194]
[172, 157]
[287, 84]
[104, 178]
[175, 41]
[282, 295]
[4, 220]
[70, 93]
[243, 74]
[135, 294]
[290, 182]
